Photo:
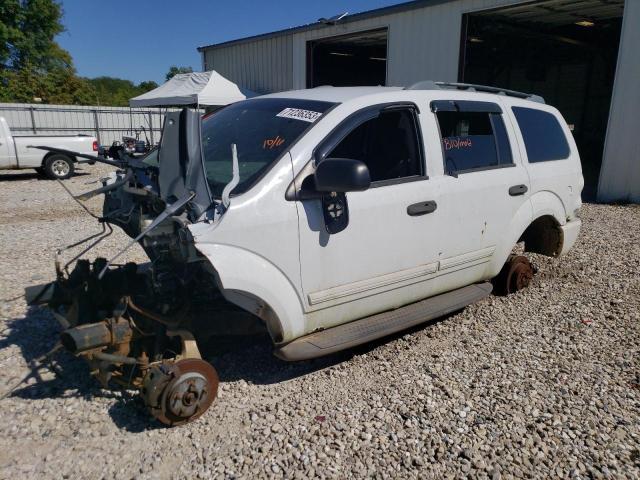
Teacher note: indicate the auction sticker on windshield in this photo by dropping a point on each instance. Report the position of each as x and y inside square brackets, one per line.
[300, 114]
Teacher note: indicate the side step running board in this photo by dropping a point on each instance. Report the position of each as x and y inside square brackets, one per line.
[380, 325]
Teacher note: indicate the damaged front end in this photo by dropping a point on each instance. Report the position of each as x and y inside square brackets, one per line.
[135, 323]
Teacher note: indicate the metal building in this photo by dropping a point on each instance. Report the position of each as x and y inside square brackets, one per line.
[583, 56]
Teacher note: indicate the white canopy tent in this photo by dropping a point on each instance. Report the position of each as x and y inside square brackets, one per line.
[196, 89]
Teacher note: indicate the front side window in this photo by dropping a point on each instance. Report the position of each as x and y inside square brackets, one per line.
[543, 137]
[473, 140]
[262, 130]
[388, 144]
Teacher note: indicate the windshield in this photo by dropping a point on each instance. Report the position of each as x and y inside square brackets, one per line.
[262, 129]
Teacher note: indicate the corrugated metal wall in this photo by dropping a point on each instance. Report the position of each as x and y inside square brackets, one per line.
[620, 172]
[262, 66]
[424, 43]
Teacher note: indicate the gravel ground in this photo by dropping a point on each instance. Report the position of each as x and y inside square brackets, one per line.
[544, 383]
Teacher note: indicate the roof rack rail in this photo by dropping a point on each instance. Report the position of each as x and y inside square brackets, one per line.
[431, 85]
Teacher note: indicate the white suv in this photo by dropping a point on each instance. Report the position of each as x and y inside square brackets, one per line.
[433, 189]
[333, 215]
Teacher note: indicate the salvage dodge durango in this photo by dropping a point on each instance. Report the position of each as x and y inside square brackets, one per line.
[329, 216]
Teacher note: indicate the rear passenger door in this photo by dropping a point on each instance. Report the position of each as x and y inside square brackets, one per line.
[485, 183]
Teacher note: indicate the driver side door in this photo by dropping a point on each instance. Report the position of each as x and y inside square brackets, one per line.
[387, 255]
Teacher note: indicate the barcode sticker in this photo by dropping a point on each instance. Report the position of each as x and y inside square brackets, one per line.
[300, 114]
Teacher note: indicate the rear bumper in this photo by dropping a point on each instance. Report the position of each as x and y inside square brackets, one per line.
[570, 233]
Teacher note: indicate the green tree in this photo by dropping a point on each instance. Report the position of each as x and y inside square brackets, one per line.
[59, 86]
[146, 86]
[10, 11]
[33, 65]
[27, 32]
[116, 92]
[173, 71]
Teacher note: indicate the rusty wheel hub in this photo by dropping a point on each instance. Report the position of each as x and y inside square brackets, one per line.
[179, 392]
[520, 275]
[516, 274]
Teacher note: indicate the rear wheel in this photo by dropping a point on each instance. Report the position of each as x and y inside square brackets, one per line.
[515, 275]
[58, 167]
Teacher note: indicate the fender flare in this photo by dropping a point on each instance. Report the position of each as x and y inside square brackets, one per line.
[548, 203]
[540, 204]
[250, 281]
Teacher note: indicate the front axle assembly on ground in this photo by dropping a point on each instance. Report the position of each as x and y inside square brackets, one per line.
[108, 322]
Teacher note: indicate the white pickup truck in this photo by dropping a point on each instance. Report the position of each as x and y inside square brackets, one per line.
[15, 152]
[330, 216]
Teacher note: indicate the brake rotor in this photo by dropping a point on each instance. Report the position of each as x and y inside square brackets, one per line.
[520, 274]
[516, 274]
[179, 392]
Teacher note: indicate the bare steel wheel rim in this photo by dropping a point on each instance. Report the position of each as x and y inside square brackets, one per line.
[60, 168]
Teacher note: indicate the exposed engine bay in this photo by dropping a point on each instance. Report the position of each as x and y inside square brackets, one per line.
[135, 324]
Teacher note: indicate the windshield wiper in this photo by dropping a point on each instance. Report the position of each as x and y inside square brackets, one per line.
[235, 179]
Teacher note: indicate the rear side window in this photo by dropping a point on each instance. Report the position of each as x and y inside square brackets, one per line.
[542, 134]
[473, 140]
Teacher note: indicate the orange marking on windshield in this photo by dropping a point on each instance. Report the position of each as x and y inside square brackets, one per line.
[272, 142]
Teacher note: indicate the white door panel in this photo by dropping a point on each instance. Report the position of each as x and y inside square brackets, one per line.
[481, 199]
[383, 248]
[480, 204]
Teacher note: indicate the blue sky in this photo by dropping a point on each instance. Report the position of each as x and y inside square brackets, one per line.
[140, 39]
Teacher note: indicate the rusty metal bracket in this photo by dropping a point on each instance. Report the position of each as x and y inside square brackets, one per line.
[189, 345]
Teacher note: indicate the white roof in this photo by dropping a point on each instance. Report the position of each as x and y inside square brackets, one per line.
[332, 94]
[197, 88]
[447, 91]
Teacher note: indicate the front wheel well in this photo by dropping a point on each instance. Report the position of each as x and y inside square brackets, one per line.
[543, 236]
[259, 308]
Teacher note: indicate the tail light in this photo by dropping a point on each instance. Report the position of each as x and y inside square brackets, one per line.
[95, 145]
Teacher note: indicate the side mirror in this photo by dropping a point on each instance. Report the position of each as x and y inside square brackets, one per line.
[334, 177]
[341, 175]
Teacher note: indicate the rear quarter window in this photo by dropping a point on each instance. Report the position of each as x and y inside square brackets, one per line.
[543, 136]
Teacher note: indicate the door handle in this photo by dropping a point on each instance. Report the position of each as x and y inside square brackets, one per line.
[422, 208]
[518, 190]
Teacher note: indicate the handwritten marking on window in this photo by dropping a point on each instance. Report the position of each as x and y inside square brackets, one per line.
[456, 143]
[271, 143]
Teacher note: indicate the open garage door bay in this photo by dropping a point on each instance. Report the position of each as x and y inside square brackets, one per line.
[564, 50]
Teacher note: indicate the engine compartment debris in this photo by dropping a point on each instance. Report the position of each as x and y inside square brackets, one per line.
[135, 323]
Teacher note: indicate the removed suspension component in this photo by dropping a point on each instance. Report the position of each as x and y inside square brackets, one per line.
[96, 335]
